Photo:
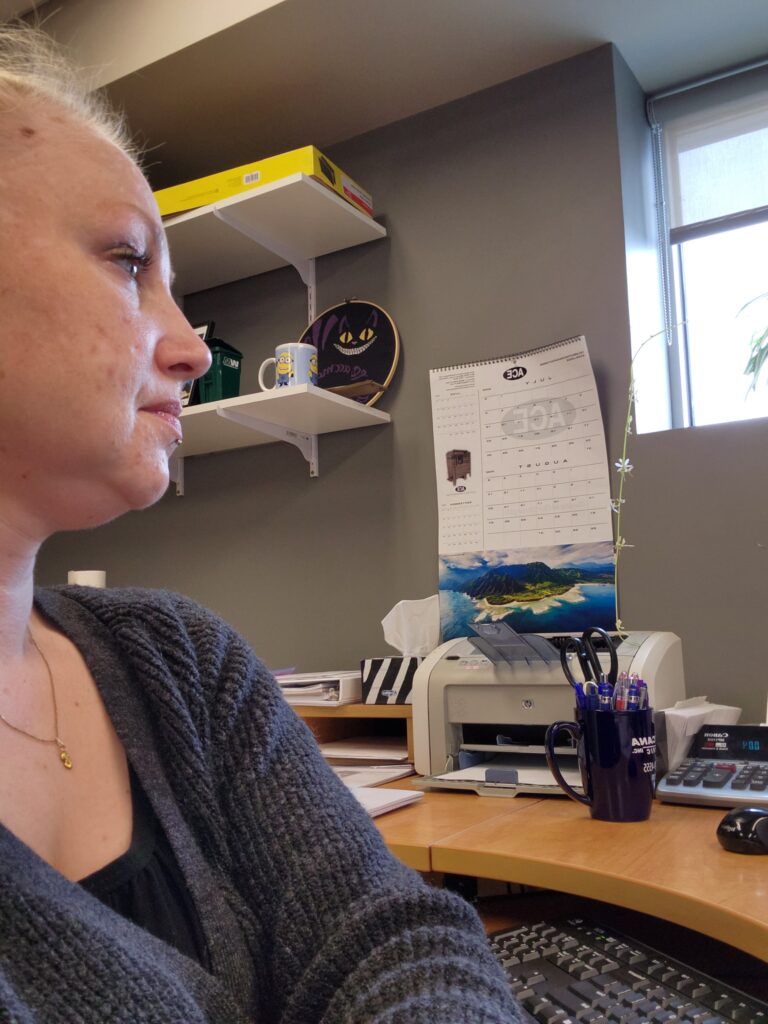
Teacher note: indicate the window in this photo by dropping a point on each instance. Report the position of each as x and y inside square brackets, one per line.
[711, 166]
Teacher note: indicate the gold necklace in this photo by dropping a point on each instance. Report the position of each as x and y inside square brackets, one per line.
[64, 757]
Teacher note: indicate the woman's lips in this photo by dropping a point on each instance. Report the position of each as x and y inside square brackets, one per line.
[169, 412]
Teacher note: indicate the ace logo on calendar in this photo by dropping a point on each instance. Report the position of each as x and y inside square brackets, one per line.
[525, 529]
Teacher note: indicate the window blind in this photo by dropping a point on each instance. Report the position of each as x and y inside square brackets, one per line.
[714, 154]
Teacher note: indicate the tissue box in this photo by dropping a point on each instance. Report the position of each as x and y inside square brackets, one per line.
[389, 680]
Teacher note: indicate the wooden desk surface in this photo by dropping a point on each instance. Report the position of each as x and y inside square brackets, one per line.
[411, 832]
[670, 866]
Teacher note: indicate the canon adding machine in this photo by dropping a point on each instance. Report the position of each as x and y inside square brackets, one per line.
[480, 715]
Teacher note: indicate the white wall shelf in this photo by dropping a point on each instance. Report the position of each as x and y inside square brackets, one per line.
[296, 414]
[291, 221]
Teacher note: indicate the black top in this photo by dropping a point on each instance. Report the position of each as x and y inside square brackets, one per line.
[146, 885]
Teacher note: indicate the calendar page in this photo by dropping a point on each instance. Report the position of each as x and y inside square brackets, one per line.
[525, 529]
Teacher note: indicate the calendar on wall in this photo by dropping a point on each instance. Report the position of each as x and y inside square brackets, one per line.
[525, 522]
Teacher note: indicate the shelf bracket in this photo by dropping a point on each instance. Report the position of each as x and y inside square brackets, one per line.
[176, 472]
[303, 265]
[306, 443]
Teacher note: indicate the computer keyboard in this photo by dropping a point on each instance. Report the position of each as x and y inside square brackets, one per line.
[715, 783]
[576, 972]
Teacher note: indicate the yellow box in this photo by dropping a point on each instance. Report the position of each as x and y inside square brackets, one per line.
[214, 187]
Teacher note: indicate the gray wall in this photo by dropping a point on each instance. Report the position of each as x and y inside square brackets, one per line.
[506, 232]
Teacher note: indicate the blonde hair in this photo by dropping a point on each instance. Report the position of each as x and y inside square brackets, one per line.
[33, 65]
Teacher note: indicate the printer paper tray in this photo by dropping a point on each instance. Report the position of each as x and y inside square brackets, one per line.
[527, 776]
[489, 788]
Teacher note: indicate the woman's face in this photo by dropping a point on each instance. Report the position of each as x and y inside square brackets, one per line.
[93, 349]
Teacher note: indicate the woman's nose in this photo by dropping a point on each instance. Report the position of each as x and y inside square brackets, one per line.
[181, 352]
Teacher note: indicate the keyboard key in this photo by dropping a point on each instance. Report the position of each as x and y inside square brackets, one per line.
[693, 780]
[532, 978]
[586, 991]
[741, 1012]
[677, 1005]
[571, 1002]
[617, 989]
[685, 983]
[701, 991]
[715, 779]
[550, 1014]
[646, 1007]
[631, 999]
[758, 784]
[723, 1004]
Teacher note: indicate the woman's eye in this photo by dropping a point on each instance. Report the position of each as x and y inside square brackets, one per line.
[132, 262]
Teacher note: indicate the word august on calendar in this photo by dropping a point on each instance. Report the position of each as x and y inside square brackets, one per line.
[525, 529]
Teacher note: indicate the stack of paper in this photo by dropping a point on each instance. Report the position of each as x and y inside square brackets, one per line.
[321, 687]
[378, 801]
[366, 750]
[373, 775]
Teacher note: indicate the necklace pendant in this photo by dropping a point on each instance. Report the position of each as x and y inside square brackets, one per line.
[64, 757]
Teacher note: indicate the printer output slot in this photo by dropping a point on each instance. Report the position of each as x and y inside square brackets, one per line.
[509, 748]
[482, 732]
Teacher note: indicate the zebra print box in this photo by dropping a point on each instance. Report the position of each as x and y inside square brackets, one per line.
[389, 680]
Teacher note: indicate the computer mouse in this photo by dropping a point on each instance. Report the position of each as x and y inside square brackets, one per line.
[744, 830]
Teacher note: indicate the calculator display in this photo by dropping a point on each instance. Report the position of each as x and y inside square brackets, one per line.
[740, 742]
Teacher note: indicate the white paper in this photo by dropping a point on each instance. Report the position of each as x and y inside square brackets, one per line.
[375, 775]
[526, 776]
[366, 748]
[378, 801]
[311, 678]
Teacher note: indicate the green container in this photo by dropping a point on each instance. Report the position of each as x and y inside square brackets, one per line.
[223, 378]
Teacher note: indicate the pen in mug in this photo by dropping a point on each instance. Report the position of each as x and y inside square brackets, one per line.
[642, 689]
[632, 696]
[604, 695]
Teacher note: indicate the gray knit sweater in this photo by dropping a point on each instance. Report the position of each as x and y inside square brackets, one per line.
[307, 916]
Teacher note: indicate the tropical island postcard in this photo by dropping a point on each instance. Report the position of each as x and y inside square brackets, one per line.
[557, 589]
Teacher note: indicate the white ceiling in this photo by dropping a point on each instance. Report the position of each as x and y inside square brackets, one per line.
[325, 70]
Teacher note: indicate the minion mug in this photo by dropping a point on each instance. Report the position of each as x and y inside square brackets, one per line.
[295, 363]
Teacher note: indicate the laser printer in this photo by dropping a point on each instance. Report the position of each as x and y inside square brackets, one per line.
[479, 721]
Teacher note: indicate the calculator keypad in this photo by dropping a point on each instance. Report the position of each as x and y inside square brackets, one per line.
[717, 783]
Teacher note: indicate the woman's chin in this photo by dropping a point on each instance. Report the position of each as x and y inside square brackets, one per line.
[93, 506]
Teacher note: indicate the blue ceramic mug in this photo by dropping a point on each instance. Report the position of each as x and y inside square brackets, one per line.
[617, 759]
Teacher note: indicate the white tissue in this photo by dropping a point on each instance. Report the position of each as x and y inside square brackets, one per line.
[413, 627]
